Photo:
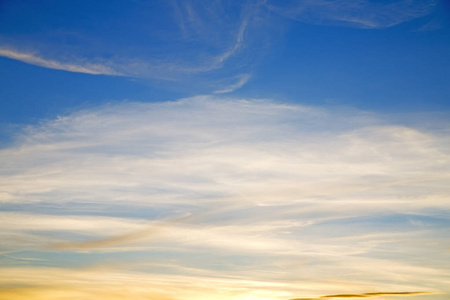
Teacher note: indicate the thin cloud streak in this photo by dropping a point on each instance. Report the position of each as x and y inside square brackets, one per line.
[219, 39]
[241, 81]
[367, 295]
[151, 231]
[213, 38]
[353, 13]
[87, 68]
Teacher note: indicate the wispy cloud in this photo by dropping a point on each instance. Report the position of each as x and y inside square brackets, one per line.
[87, 68]
[206, 44]
[366, 295]
[148, 231]
[194, 151]
[210, 46]
[259, 180]
[354, 13]
[241, 81]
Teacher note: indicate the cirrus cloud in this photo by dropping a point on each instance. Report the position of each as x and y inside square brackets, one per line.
[275, 192]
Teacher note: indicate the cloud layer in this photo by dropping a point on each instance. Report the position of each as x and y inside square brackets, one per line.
[252, 192]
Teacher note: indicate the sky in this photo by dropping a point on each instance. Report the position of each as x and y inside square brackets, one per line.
[224, 149]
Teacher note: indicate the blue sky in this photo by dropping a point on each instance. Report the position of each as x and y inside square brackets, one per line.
[229, 150]
[393, 55]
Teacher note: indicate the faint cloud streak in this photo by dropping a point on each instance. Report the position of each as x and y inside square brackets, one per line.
[367, 295]
[221, 40]
[151, 231]
[87, 68]
[241, 81]
[214, 38]
[354, 13]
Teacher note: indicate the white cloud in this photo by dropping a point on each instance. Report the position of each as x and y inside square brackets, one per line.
[201, 148]
[88, 68]
[276, 182]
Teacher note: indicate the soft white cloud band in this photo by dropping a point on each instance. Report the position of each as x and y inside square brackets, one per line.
[294, 187]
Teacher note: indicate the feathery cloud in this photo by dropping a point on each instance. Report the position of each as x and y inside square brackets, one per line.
[307, 192]
[149, 231]
[213, 45]
[354, 13]
[203, 43]
[88, 68]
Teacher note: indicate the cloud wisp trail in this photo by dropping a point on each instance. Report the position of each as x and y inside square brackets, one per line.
[366, 295]
[214, 38]
[153, 231]
[364, 14]
[220, 39]
[87, 68]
